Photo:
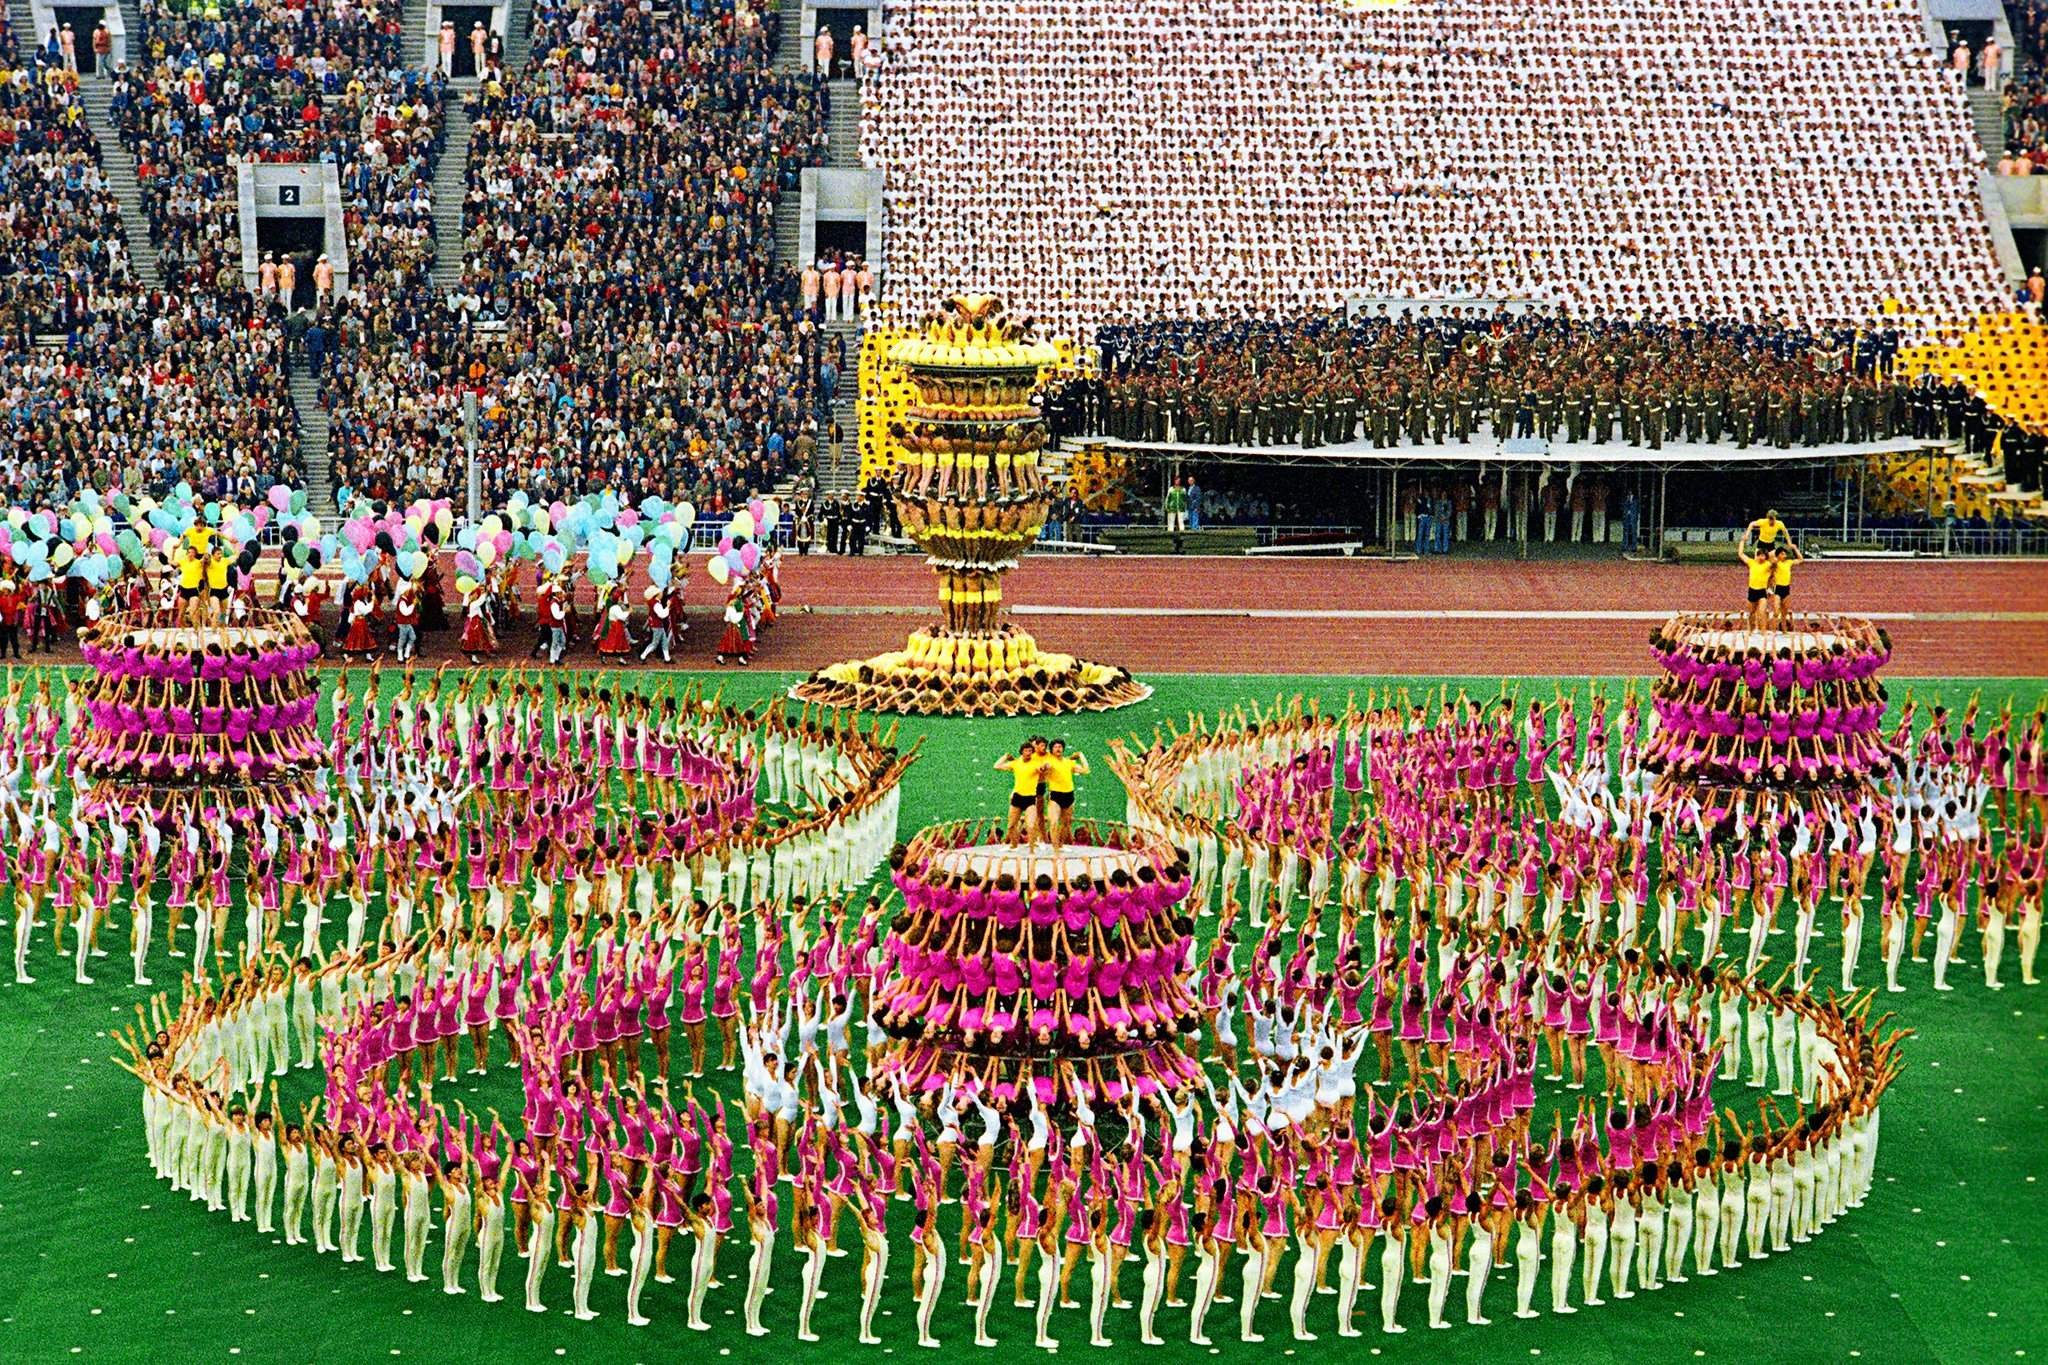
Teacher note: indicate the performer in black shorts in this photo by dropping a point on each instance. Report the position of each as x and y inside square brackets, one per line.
[1027, 780]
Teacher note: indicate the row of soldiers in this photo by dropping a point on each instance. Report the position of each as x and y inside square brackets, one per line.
[1441, 380]
[1421, 412]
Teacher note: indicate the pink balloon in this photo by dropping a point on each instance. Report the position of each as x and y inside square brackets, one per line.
[750, 555]
[758, 511]
[280, 497]
[627, 518]
[725, 545]
[260, 515]
[105, 540]
[503, 540]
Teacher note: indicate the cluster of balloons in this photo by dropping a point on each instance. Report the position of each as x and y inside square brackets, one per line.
[607, 534]
[94, 536]
[739, 548]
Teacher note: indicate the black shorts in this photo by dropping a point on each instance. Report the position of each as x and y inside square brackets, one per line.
[1783, 591]
[1020, 801]
[186, 594]
[220, 594]
[1064, 800]
[1759, 594]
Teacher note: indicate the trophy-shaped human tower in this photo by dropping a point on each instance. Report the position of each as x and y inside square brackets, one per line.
[969, 490]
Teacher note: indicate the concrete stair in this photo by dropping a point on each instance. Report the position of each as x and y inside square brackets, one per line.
[1987, 116]
[789, 53]
[845, 413]
[450, 174]
[415, 43]
[842, 125]
[519, 35]
[22, 20]
[118, 166]
[313, 434]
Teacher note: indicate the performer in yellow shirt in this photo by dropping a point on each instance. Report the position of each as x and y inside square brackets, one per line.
[1061, 768]
[1027, 778]
[191, 585]
[1781, 584]
[1761, 571]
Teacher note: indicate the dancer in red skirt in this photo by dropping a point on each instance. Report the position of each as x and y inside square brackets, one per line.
[613, 614]
[737, 643]
[478, 639]
[360, 640]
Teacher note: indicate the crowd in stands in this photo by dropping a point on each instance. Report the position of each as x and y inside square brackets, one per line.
[104, 382]
[325, 81]
[2026, 96]
[1207, 158]
[620, 314]
[1436, 377]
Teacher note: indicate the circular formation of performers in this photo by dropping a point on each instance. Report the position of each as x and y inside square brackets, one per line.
[1397, 929]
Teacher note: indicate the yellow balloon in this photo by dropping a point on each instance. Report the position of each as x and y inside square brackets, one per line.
[742, 524]
[486, 552]
[444, 521]
[719, 570]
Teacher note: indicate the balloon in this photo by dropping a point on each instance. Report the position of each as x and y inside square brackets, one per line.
[444, 520]
[487, 552]
[758, 510]
[493, 524]
[553, 555]
[724, 544]
[281, 497]
[771, 514]
[719, 570]
[464, 584]
[686, 513]
[540, 519]
[61, 556]
[503, 541]
[750, 556]
[298, 501]
[105, 540]
[658, 574]
[467, 564]
[742, 524]
[213, 514]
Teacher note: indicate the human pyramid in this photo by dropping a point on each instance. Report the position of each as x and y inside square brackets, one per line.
[1363, 985]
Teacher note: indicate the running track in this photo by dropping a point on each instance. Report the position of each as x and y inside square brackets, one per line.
[1158, 614]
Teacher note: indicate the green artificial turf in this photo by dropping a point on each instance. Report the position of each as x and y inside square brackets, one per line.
[99, 1260]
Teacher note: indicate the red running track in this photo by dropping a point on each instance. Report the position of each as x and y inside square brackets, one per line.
[1158, 614]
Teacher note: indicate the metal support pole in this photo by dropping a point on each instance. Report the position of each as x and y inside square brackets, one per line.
[1393, 505]
[473, 475]
[1664, 508]
[1522, 522]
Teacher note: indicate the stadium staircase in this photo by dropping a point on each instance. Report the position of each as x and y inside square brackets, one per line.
[1987, 116]
[450, 183]
[117, 164]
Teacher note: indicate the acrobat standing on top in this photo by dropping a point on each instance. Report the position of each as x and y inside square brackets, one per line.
[1026, 768]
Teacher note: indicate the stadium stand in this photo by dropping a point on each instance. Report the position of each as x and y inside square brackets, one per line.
[619, 311]
[108, 383]
[1204, 158]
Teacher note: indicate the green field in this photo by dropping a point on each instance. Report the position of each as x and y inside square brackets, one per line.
[99, 1260]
